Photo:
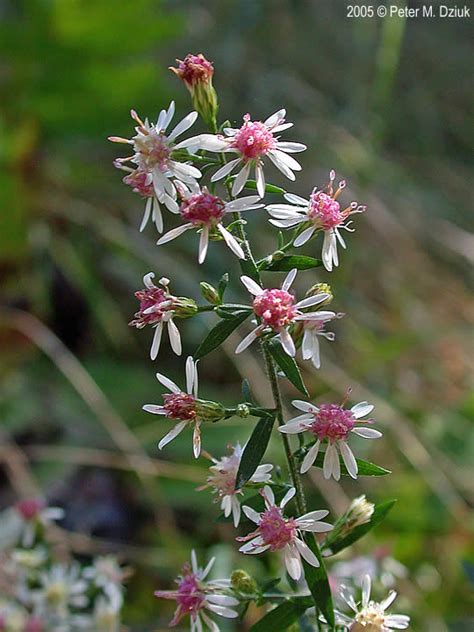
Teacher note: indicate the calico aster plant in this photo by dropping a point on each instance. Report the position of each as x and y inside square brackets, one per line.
[201, 181]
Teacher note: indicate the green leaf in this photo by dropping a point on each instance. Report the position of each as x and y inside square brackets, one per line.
[219, 333]
[318, 583]
[269, 188]
[288, 365]
[281, 617]
[254, 450]
[341, 542]
[365, 467]
[288, 262]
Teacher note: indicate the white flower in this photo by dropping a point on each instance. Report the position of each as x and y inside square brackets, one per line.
[223, 478]
[153, 149]
[313, 330]
[334, 423]
[370, 616]
[194, 596]
[322, 212]
[275, 532]
[277, 310]
[157, 308]
[254, 141]
[185, 407]
[205, 212]
[33, 512]
[61, 588]
[105, 572]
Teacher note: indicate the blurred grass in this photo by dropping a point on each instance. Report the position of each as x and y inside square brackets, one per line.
[384, 104]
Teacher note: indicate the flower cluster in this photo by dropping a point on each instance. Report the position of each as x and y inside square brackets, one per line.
[40, 593]
[172, 173]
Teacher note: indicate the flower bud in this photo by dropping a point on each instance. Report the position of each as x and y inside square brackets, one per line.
[196, 72]
[209, 293]
[209, 411]
[184, 307]
[242, 410]
[321, 288]
[243, 582]
[360, 511]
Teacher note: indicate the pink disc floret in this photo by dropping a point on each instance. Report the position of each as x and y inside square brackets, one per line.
[179, 406]
[29, 509]
[324, 211]
[275, 307]
[140, 182]
[332, 422]
[275, 529]
[253, 139]
[203, 209]
[154, 302]
[194, 69]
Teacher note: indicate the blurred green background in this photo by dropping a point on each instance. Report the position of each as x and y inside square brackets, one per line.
[388, 104]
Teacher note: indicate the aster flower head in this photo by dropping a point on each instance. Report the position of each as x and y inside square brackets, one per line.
[60, 588]
[331, 424]
[153, 149]
[34, 513]
[158, 307]
[313, 330]
[222, 480]
[196, 72]
[205, 212]
[322, 212]
[197, 597]
[140, 180]
[277, 309]
[369, 615]
[253, 142]
[275, 532]
[185, 407]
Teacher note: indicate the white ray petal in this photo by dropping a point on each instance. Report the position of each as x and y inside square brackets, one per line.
[154, 409]
[173, 233]
[287, 497]
[260, 179]
[162, 379]
[231, 241]
[241, 179]
[183, 125]
[146, 214]
[367, 433]
[190, 373]
[290, 277]
[296, 199]
[251, 514]
[310, 457]
[225, 170]
[362, 409]
[293, 562]
[247, 341]
[155, 345]
[304, 236]
[348, 458]
[366, 586]
[306, 553]
[306, 407]
[287, 160]
[172, 434]
[287, 343]
[290, 147]
[275, 118]
[203, 244]
[197, 440]
[312, 300]
[240, 204]
[251, 285]
[313, 516]
[175, 337]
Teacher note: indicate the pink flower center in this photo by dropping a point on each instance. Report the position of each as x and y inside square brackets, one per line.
[195, 69]
[275, 529]
[152, 149]
[275, 308]
[29, 509]
[253, 139]
[138, 181]
[190, 597]
[332, 422]
[179, 406]
[324, 211]
[154, 299]
[203, 209]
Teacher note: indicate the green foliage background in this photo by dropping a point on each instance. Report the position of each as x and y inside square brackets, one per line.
[389, 106]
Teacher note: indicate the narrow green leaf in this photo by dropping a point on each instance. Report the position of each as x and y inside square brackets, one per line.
[254, 450]
[318, 583]
[288, 262]
[340, 541]
[365, 467]
[269, 188]
[281, 617]
[219, 333]
[288, 365]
